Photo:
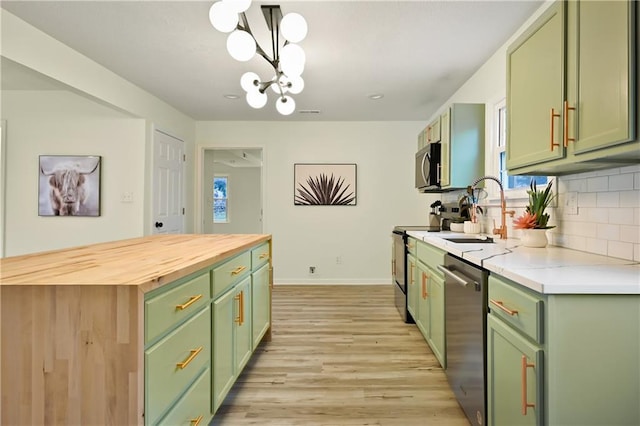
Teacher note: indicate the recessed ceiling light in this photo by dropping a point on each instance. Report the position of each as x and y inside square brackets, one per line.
[231, 96]
[309, 111]
[376, 96]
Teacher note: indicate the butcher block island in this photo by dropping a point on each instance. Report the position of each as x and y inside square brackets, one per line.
[151, 330]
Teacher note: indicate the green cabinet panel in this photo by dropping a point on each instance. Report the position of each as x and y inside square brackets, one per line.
[223, 344]
[436, 317]
[175, 361]
[261, 303]
[535, 91]
[445, 149]
[193, 405]
[514, 377]
[259, 256]
[243, 337]
[412, 287]
[230, 272]
[423, 307]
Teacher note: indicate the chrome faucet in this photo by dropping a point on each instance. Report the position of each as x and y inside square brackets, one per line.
[502, 231]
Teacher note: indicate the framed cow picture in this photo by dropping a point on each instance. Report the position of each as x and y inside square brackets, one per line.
[69, 185]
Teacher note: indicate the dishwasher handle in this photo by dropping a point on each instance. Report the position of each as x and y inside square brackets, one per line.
[460, 279]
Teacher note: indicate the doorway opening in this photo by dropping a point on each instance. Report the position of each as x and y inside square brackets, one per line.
[232, 191]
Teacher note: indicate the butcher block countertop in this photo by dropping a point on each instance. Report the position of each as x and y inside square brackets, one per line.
[147, 262]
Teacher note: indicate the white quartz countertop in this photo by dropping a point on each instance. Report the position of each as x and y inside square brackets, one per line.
[549, 270]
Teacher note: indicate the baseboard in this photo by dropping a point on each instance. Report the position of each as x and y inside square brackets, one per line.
[332, 281]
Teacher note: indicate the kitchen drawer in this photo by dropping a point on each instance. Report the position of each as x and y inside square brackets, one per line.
[430, 256]
[412, 245]
[517, 307]
[175, 361]
[230, 272]
[259, 256]
[170, 307]
[195, 404]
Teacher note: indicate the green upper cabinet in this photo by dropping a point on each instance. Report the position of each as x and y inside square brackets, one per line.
[600, 61]
[535, 91]
[462, 145]
[574, 110]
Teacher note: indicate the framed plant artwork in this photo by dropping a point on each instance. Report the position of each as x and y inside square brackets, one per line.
[69, 185]
[324, 184]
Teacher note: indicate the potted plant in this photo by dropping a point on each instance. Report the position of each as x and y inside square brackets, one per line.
[534, 221]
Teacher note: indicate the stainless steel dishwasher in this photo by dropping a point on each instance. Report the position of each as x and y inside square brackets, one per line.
[466, 331]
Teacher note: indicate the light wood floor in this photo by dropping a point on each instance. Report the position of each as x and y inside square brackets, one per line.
[340, 355]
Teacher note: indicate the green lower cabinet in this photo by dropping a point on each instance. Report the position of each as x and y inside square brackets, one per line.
[436, 317]
[223, 365]
[412, 287]
[194, 406]
[422, 320]
[243, 336]
[261, 318]
[514, 377]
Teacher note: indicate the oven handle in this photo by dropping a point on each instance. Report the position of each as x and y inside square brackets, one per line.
[462, 280]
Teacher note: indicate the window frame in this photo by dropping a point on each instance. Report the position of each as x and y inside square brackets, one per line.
[226, 198]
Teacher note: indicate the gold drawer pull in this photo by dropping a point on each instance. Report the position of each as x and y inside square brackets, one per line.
[238, 270]
[194, 353]
[263, 255]
[192, 300]
[525, 404]
[566, 139]
[553, 129]
[240, 298]
[500, 305]
[196, 421]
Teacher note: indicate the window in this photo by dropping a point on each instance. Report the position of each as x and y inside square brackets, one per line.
[220, 199]
[509, 182]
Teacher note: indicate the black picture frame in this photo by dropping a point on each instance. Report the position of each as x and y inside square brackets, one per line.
[69, 185]
[325, 184]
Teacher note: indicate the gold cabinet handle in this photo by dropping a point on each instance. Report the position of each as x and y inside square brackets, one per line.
[238, 297]
[553, 129]
[238, 270]
[263, 255]
[191, 301]
[500, 305]
[393, 266]
[566, 137]
[525, 404]
[242, 307]
[411, 265]
[196, 421]
[424, 285]
[194, 353]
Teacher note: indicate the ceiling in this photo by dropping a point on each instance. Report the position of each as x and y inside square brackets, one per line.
[415, 53]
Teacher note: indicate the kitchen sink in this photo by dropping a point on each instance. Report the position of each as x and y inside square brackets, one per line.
[486, 240]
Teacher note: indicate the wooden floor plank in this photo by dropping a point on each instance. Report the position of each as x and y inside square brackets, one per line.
[340, 355]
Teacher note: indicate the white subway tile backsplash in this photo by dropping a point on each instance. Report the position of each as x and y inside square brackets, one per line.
[608, 232]
[577, 243]
[621, 182]
[620, 249]
[579, 185]
[608, 199]
[621, 216]
[629, 198]
[596, 214]
[630, 169]
[597, 246]
[600, 183]
[636, 181]
[587, 199]
[630, 234]
[636, 252]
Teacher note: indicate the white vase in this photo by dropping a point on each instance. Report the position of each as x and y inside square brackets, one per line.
[534, 237]
[471, 227]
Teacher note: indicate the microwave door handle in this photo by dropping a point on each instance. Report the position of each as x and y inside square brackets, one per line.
[424, 177]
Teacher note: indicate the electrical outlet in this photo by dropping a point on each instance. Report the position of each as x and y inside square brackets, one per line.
[338, 260]
[126, 197]
[571, 203]
[312, 269]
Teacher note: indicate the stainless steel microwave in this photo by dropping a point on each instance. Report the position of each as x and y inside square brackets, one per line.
[428, 168]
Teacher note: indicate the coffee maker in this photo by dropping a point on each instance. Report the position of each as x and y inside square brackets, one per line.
[434, 216]
[447, 212]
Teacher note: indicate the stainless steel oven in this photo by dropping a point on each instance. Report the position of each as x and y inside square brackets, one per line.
[466, 331]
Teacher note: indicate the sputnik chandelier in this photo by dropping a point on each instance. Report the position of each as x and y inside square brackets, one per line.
[228, 16]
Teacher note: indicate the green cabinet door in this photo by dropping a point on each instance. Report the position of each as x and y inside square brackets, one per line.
[412, 287]
[243, 336]
[223, 365]
[514, 377]
[260, 298]
[436, 317]
[535, 87]
[601, 53]
[445, 147]
[423, 300]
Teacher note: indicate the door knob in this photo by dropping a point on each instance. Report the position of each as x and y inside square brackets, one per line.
[159, 224]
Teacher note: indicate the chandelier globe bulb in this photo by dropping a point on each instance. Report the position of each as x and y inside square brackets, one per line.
[293, 27]
[256, 99]
[238, 6]
[297, 85]
[285, 105]
[223, 17]
[247, 81]
[241, 45]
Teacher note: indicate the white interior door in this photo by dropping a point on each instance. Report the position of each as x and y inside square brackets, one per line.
[168, 184]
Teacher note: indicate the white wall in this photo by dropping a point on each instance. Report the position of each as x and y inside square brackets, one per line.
[244, 202]
[306, 236]
[62, 123]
